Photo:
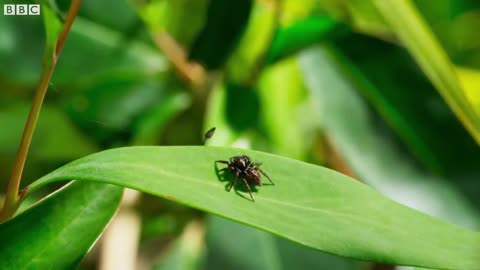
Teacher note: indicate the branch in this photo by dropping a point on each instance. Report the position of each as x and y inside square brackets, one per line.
[13, 196]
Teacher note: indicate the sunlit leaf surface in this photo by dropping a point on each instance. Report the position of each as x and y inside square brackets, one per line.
[310, 205]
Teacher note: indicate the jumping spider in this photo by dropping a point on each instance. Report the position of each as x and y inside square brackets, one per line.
[249, 172]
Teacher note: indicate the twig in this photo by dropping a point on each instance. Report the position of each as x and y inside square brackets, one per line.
[191, 71]
[13, 196]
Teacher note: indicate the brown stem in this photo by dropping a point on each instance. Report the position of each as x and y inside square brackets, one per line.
[12, 198]
[191, 71]
[62, 37]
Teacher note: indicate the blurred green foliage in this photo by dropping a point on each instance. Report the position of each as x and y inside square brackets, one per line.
[386, 100]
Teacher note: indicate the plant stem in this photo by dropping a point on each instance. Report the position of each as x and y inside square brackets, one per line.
[191, 71]
[62, 37]
[12, 199]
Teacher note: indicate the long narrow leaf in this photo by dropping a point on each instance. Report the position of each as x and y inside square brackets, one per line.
[59, 231]
[310, 205]
[407, 23]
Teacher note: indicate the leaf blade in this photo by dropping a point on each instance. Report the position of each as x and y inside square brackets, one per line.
[43, 237]
[53, 27]
[412, 30]
[309, 204]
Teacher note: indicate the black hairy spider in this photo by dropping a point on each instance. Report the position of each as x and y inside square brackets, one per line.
[249, 172]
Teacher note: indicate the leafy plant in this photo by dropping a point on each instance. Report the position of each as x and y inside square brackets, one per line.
[383, 97]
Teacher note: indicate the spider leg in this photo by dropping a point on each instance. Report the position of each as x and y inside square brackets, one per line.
[248, 187]
[233, 182]
[260, 170]
[221, 161]
[224, 169]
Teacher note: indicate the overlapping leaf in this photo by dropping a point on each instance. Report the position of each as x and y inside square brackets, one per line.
[59, 231]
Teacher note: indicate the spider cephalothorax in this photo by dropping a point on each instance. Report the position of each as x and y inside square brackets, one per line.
[243, 167]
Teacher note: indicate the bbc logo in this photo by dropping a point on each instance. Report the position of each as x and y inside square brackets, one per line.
[21, 9]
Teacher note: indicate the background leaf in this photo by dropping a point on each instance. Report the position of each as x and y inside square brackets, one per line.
[291, 39]
[413, 107]
[370, 154]
[53, 26]
[282, 114]
[225, 23]
[231, 244]
[244, 64]
[186, 252]
[308, 204]
[59, 231]
[407, 23]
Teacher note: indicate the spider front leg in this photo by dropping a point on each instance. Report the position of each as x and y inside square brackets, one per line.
[222, 161]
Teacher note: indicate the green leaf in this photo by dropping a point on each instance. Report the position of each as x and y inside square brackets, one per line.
[234, 110]
[114, 56]
[407, 23]
[61, 144]
[363, 16]
[49, 147]
[95, 11]
[302, 34]
[310, 205]
[244, 64]
[226, 21]
[354, 132]
[413, 107]
[59, 231]
[228, 250]
[53, 26]
[150, 124]
[175, 13]
[470, 79]
[186, 251]
[128, 98]
[215, 116]
[282, 93]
